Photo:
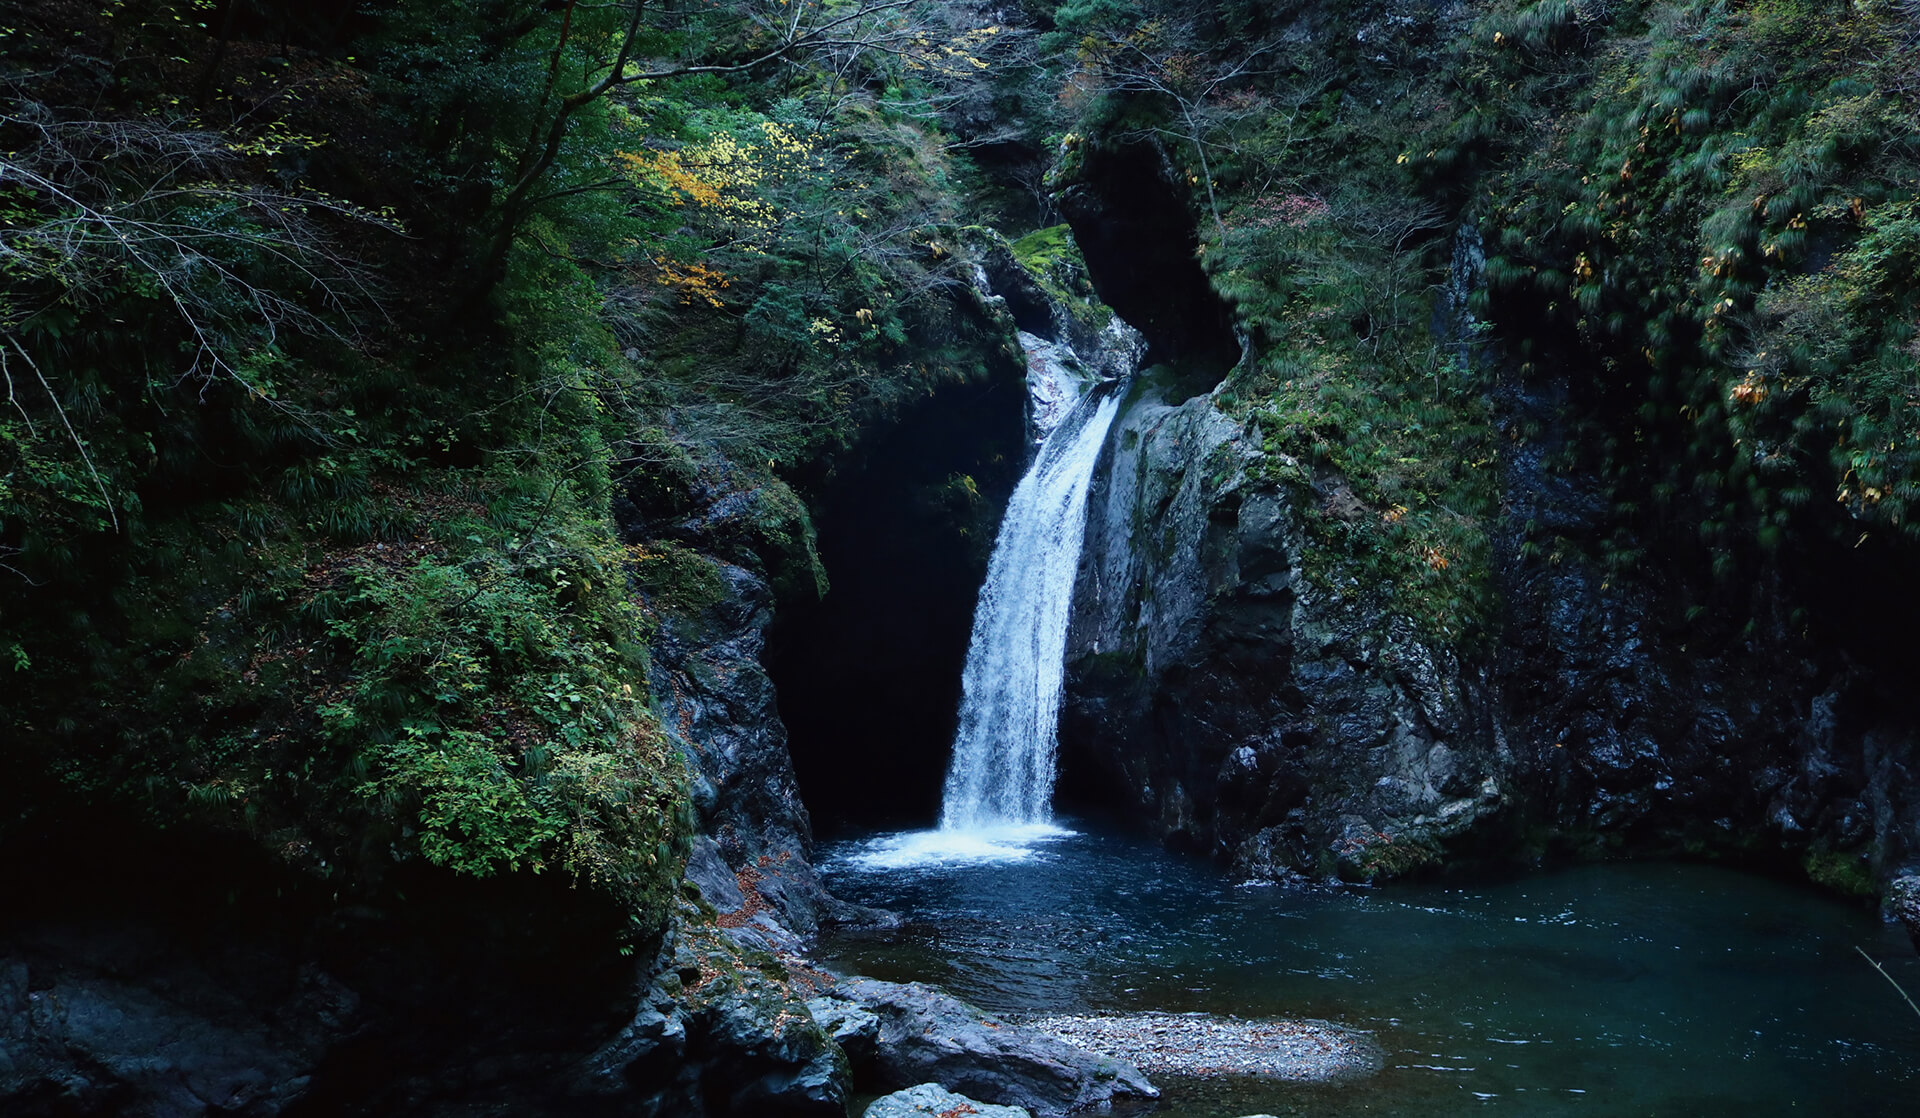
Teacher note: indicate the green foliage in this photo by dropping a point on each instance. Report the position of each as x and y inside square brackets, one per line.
[352, 584]
[1053, 259]
[681, 580]
[804, 258]
[1844, 872]
[1393, 464]
[1697, 212]
[489, 689]
[1721, 223]
[1323, 240]
[1043, 250]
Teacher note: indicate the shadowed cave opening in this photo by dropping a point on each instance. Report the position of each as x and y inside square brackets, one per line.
[869, 676]
[1136, 231]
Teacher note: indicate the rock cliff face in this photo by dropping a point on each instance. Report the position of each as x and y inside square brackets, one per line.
[1247, 712]
[715, 696]
[1299, 727]
[1634, 726]
[1301, 730]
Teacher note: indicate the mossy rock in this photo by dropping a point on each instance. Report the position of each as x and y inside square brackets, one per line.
[677, 578]
[1845, 872]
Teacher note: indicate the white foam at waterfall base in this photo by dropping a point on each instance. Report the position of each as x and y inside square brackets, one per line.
[998, 803]
[985, 845]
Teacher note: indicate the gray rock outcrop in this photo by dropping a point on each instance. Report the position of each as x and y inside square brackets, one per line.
[716, 698]
[925, 1036]
[1296, 726]
[1250, 714]
[1903, 904]
[720, 1030]
[114, 1021]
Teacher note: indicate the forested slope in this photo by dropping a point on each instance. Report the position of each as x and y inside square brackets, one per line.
[361, 361]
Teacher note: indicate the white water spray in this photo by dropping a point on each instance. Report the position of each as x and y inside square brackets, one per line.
[999, 790]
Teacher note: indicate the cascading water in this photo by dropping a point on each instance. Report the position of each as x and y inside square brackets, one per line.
[1003, 755]
[999, 789]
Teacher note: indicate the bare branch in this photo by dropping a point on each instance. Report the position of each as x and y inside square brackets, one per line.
[65, 422]
[160, 202]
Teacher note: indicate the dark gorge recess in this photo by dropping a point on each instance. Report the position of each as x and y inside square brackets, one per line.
[1135, 229]
[869, 676]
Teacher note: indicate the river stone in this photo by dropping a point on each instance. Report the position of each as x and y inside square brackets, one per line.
[120, 1020]
[926, 1035]
[720, 1030]
[930, 1100]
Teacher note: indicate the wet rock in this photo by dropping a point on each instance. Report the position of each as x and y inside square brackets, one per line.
[1903, 903]
[930, 1100]
[708, 871]
[1287, 728]
[855, 1030]
[1640, 721]
[1295, 727]
[926, 1035]
[720, 1029]
[114, 1021]
[720, 704]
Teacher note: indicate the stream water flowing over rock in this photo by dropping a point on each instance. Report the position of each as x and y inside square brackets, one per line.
[999, 787]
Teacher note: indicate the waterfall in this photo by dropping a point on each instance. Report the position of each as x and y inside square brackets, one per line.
[1003, 755]
[999, 790]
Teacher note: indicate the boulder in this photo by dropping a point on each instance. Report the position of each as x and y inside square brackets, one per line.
[720, 1030]
[1903, 904]
[116, 1021]
[930, 1100]
[855, 1030]
[927, 1035]
[1229, 696]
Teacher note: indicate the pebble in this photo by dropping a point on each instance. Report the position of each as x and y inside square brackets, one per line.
[1198, 1044]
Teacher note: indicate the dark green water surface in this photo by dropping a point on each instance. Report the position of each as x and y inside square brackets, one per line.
[1619, 989]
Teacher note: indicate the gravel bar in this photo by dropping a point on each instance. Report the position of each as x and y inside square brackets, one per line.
[1200, 1044]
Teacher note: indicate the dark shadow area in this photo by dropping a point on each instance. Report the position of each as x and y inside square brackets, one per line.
[1136, 232]
[168, 950]
[869, 677]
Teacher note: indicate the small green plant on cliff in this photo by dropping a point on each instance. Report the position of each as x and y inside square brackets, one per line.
[1053, 259]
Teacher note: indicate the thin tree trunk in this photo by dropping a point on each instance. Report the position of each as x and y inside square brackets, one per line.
[211, 75]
